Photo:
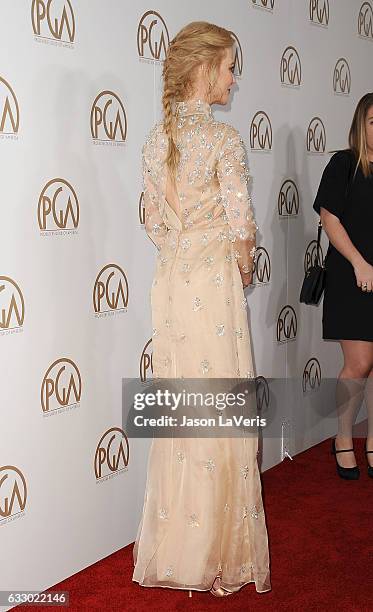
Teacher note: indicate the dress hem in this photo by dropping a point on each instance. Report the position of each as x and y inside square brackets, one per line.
[335, 337]
[188, 588]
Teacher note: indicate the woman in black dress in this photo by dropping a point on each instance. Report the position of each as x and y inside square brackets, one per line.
[345, 204]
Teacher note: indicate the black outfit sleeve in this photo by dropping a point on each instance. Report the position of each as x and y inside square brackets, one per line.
[332, 191]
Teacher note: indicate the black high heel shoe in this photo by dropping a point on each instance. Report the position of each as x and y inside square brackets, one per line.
[346, 473]
[370, 467]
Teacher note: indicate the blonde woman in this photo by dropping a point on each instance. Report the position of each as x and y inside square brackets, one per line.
[345, 203]
[203, 524]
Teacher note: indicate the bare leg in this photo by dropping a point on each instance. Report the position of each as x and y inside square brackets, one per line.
[358, 363]
[369, 403]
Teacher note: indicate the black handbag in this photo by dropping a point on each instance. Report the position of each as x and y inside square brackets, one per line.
[314, 280]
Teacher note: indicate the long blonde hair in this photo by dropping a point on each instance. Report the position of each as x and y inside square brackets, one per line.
[198, 42]
[357, 138]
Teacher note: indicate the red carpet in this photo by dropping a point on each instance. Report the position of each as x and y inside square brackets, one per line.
[320, 534]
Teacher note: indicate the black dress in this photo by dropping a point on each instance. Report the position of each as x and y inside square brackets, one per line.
[347, 310]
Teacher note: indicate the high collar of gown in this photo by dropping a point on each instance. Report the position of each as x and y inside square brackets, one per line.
[193, 107]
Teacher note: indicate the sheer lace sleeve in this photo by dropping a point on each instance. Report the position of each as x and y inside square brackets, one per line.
[233, 177]
[154, 225]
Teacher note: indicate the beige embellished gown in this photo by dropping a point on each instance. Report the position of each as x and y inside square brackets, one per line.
[203, 514]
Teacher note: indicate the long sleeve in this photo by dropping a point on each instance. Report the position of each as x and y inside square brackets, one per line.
[233, 177]
[154, 225]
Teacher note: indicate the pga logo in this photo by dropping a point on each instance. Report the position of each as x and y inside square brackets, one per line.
[287, 324]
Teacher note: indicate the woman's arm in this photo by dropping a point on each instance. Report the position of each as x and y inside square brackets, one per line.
[340, 239]
[154, 225]
[233, 177]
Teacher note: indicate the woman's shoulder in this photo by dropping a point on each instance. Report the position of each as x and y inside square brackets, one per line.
[341, 159]
[228, 135]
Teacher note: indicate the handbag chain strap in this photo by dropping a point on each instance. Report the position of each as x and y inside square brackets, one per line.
[318, 248]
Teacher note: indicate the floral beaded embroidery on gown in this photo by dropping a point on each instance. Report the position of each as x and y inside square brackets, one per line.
[203, 514]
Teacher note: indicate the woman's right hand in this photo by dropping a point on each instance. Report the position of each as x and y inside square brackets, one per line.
[364, 275]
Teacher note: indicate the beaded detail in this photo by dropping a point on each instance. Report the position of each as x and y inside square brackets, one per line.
[220, 329]
[180, 456]
[254, 512]
[193, 521]
[210, 465]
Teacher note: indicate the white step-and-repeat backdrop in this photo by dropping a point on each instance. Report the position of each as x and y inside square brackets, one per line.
[80, 87]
